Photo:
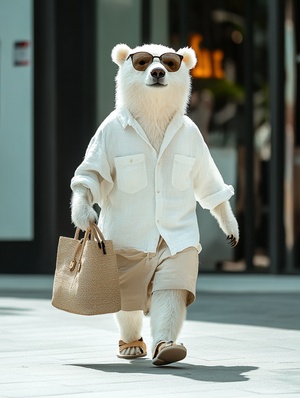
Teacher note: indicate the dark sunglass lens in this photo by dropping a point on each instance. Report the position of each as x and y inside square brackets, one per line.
[141, 61]
[171, 62]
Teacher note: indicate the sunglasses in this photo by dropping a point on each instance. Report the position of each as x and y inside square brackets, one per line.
[141, 60]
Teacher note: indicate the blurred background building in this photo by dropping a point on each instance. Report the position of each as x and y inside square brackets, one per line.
[57, 85]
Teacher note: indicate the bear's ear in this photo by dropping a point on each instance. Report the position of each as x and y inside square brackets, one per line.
[120, 53]
[189, 57]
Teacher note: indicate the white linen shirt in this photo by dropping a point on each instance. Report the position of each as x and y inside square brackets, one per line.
[144, 194]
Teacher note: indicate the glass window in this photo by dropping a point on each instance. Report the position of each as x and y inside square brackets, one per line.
[217, 31]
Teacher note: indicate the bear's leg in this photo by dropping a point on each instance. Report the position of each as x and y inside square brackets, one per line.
[130, 325]
[168, 312]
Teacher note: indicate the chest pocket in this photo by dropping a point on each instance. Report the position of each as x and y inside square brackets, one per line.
[181, 173]
[131, 173]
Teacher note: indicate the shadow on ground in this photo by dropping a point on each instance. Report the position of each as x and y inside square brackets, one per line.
[217, 374]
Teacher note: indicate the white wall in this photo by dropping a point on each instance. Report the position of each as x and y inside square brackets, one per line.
[16, 123]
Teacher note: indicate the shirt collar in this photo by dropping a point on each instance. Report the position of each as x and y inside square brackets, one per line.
[126, 119]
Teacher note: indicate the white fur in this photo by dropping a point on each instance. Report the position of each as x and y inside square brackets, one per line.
[130, 326]
[82, 211]
[152, 106]
[168, 312]
[226, 220]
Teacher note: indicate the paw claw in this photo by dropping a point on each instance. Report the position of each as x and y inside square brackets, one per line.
[232, 240]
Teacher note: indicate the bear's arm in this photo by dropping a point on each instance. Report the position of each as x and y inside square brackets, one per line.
[94, 172]
[209, 186]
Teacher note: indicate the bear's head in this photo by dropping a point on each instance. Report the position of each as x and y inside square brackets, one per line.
[153, 79]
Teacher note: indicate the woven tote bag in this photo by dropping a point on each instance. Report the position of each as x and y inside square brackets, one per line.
[86, 279]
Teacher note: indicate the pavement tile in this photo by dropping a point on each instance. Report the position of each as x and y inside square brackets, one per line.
[241, 343]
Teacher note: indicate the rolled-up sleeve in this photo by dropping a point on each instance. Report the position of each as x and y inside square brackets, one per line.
[210, 188]
[94, 172]
[213, 200]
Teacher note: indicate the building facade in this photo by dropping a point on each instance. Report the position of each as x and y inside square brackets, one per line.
[57, 85]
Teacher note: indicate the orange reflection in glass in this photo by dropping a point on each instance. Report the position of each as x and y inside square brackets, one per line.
[209, 63]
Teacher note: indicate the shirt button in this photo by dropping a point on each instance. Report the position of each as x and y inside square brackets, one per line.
[157, 191]
[157, 221]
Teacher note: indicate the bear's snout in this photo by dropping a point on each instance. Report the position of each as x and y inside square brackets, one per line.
[158, 73]
[157, 77]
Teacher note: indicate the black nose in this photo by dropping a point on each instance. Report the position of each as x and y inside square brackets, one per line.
[158, 73]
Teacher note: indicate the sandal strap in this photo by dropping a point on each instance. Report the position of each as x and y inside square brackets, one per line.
[158, 347]
[137, 343]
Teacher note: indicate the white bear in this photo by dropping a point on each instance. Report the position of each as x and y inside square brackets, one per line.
[146, 167]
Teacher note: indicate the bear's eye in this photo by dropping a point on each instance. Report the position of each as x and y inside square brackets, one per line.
[171, 61]
[141, 60]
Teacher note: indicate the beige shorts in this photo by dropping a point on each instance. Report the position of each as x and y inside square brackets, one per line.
[141, 274]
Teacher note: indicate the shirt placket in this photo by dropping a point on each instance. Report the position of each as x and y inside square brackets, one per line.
[158, 192]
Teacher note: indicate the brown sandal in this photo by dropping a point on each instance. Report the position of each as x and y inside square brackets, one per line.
[166, 352]
[137, 343]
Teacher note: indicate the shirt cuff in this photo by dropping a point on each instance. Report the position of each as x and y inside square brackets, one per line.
[87, 182]
[211, 201]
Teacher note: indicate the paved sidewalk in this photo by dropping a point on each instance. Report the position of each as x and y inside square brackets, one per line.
[242, 335]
